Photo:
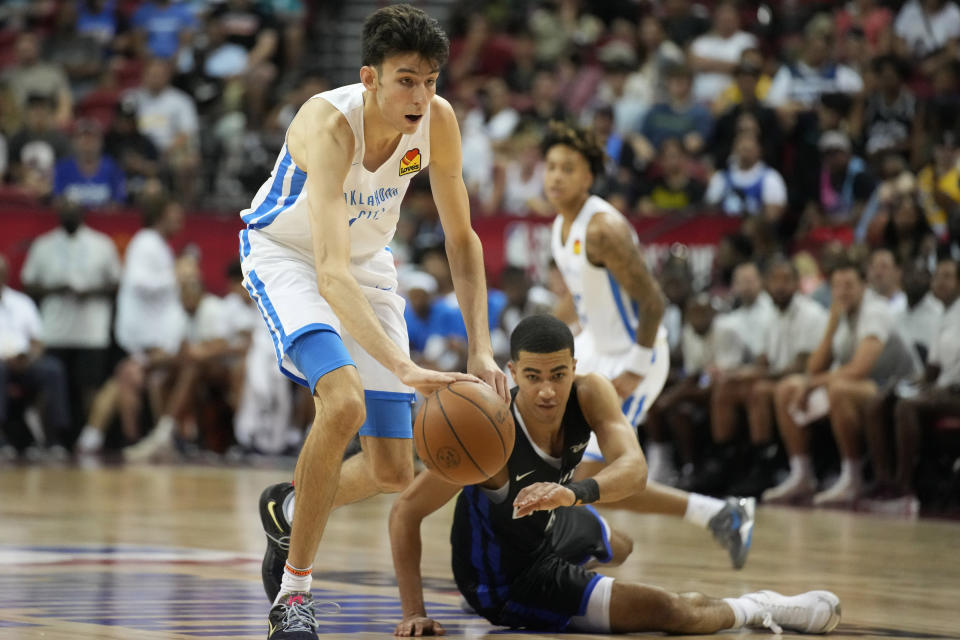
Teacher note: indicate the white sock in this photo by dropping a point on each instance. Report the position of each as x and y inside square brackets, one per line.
[801, 467]
[745, 611]
[288, 506]
[164, 428]
[91, 439]
[850, 472]
[662, 452]
[739, 614]
[294, 583]
[701, 508]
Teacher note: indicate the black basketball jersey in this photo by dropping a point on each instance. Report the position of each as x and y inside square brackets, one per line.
[490, 547]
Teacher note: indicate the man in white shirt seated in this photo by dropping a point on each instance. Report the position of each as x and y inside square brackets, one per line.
[73, 272]
[26, 370]
[921, 320]
[714, 55]
[883, 276]
[861, 351]
[918, 407]
[791, 337]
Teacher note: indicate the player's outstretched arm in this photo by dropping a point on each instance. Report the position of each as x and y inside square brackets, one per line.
[427, 493]
[321, 138]
[626, 471]
[463, 247]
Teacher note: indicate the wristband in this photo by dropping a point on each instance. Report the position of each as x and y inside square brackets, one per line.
[639, 360]
[585, 491]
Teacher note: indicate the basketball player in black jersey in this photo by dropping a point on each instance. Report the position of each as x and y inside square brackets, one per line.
[523, 541]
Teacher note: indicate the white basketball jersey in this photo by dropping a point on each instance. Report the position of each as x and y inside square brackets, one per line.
[280, 208]
[607, 313]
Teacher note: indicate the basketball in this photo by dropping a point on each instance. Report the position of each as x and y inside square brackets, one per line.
[464, 432]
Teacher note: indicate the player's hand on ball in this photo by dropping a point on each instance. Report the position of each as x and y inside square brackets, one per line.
[626, 383]
[426, 381]
[419, 626]
[542, 496]
[484, 367]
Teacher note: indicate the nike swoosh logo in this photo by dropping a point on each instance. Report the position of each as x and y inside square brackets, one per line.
[524, 475]
[270, 506]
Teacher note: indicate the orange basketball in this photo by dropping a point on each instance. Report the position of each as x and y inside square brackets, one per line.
[464, 432]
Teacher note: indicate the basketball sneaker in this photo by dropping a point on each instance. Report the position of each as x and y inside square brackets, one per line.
[293, 618]
[277, 530]
[810, 612]
[732, 527]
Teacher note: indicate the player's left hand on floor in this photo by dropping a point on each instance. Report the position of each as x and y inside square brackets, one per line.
[419, 626]
[542, 496]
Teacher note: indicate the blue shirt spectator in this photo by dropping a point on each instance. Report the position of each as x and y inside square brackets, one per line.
[98, 20]
[164, 22]
[678, 117]
[103, 187]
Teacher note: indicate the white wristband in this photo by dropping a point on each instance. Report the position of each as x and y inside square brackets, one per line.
[639, 360]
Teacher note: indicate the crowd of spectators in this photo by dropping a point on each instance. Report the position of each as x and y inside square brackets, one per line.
[828, 130]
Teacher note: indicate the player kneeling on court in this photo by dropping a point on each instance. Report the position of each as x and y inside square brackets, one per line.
[524, 539]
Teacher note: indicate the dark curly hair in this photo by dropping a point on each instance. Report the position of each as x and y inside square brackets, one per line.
[402, 28]
[580, 140]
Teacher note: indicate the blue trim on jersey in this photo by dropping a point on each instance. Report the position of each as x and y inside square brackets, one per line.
[387, 417]
[268, 306]
[275, 190]
[638, 411]
[618, 299]
[245, 243]
[273, 336]
[627, 405]
[476, 550]
[587, 592]
[388, 250]
[389, 395]
[589, 455]
[276, 202]
[606, 534]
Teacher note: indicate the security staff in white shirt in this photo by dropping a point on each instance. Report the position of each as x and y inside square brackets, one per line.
[73, 272]
[23, 363]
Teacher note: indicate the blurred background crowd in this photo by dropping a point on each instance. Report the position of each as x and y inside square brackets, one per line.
[822, 135]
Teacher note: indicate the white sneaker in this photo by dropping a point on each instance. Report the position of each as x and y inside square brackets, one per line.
[844, 492]
[157, 445]
[810, 612]
[796, 487]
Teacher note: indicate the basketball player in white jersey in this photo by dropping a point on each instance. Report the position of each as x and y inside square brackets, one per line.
[315, 260]
[619, 307]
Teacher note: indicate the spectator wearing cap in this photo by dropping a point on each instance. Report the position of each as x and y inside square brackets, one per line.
[678, 117]
[845, 185]
[428, 317]
[30, 75]
[73, 272]
[747, 186]
[89, 178]
[163, 28]
[36, 147]
[746, 103]
[797, 86]
[928, 32]
[714, 55]
[890, 111]
[138, 156]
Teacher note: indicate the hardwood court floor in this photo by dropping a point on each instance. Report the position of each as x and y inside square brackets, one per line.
[174, 552]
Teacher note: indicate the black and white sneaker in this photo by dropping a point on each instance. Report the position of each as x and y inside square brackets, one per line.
[293, 618]
[277, 530]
